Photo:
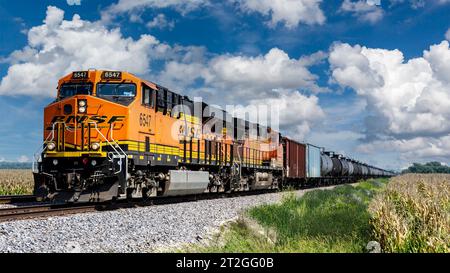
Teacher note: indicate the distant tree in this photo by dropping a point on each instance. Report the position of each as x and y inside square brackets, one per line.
[15, 165]
[430, 167]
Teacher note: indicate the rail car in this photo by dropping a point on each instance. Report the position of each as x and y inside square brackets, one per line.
[307, 164]
[110, 135]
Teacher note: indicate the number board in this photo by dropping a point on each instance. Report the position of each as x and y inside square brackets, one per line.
[112, 75]
[78, 75]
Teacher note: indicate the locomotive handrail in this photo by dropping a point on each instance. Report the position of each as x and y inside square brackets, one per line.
[120, 156]
[38, 152]
[37, 155]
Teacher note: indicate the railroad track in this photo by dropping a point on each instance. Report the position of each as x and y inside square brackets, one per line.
[27, 212]
[49, 210]
[9, 199]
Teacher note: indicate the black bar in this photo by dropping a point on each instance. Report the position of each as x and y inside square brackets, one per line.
[241, 262]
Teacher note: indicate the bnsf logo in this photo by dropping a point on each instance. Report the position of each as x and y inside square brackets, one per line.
[82, 119]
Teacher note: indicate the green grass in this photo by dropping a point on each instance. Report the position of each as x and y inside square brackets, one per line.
[334, 220]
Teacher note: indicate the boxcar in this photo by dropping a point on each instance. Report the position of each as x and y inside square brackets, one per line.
[313, 162]
[295, 159]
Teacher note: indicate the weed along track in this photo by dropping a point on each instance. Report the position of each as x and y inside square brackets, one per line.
[413, 214]
[334, 220]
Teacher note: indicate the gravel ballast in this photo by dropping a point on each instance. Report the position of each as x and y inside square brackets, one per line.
[143, 229]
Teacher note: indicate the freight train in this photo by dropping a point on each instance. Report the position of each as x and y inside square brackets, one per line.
[110, 135]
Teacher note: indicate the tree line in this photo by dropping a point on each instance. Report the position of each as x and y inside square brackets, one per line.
[430, 167]
[15, 165]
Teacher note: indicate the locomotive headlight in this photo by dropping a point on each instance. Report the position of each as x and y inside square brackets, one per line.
[51, 146]
[55, 162]
[94, 162]
[95, 146]
[82, 105]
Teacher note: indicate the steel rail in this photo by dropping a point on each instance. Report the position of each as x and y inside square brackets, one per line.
[28, 212]
[9, 199]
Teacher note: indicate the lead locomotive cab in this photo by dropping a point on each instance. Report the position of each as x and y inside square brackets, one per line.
[80, 158]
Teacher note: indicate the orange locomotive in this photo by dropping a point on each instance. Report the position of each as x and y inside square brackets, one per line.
[110, 134]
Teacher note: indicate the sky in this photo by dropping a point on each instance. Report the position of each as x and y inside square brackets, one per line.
[367, 78]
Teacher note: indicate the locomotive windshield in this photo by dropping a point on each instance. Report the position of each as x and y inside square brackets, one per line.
[72, 89]
[122, 93]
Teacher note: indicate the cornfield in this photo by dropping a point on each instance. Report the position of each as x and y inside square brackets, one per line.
[16, 182]
[413, 214]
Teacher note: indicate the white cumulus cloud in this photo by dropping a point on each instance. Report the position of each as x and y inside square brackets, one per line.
[244, 77]
[60, 46]
[363, 10]
[160, 21]
[287, 12]
[408, 100]
[297, 112]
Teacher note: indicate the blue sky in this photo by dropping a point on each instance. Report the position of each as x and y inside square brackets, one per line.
[363, 79]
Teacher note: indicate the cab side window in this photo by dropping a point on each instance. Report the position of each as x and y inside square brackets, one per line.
[147, 96]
